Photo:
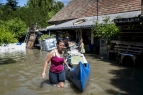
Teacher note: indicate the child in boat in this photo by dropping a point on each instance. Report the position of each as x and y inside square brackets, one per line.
[56, 72]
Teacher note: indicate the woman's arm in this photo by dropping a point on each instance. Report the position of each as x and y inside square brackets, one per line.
[82, 47]
[46, 63]
[67, 64]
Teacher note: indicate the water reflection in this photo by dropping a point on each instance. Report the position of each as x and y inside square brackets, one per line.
[8, 57]
[21, 75]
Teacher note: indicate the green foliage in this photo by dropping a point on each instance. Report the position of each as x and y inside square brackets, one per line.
[41, 10]
[105, 30]
[16, 27]
[35, 11]
[53, 35]
[6, 37]
[14, 20]
[12, 4]
[45, 36]
[1, 12]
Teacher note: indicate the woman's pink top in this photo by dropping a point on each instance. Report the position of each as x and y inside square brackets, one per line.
[57, 64]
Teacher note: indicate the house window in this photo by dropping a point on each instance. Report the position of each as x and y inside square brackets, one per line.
[79, 21]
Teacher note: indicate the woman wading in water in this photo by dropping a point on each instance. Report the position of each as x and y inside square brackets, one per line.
[56, 71]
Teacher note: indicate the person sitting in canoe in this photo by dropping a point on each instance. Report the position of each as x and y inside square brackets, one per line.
[56, 71]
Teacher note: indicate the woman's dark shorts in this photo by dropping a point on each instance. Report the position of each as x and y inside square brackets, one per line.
[55, 78]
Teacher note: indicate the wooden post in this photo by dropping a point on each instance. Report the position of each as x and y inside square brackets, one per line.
[80, 33]
[49, 33]
[97, 10]
[92, 38]
[141, 7]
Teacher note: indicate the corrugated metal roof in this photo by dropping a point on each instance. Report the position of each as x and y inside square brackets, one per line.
[90, 21]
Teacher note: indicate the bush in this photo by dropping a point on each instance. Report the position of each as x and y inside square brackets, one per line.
[105, 30]
[16, 27]
[45, 36]
[6, 37]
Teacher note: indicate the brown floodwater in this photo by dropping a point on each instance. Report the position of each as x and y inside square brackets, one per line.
[20, 74]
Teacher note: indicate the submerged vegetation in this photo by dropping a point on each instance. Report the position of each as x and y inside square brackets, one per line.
[15, 20]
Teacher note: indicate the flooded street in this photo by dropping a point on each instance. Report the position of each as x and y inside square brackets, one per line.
[20, 74]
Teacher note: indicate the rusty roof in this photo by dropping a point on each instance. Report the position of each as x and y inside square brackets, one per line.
[85, 8]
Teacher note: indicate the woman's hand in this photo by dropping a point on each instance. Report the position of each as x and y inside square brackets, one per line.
[43, 75]
[69, 67]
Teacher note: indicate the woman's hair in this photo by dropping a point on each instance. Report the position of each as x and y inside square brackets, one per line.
[80, 39]
[60, 40]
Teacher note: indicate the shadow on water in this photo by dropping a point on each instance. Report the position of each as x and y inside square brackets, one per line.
[127, 61]
[44, 82]
[4, 61]
[12, 57]
[128, 78]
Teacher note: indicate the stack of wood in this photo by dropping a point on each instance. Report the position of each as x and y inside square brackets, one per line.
[130, 49]
[135, 48]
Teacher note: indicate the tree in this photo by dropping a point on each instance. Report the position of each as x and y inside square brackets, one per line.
[1, 12]
[42, 11]
[59, 5]
[12, 4]
[16, 27]
[6, 37]
[106, 30]
[35, 11]
[41, 3]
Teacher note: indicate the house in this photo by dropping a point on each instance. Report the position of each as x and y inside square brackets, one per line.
[77, 18]
[129, 45]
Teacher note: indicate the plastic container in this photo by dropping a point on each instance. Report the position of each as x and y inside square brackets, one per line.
[91, 47]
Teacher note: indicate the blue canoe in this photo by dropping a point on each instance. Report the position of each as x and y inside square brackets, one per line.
[79, 75]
